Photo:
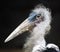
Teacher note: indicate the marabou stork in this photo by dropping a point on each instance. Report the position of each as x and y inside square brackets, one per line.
[38, 24]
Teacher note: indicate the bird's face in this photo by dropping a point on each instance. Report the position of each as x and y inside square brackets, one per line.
[26, 25]
[34, 18]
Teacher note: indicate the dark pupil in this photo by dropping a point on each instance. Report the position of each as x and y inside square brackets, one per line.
[38, 15]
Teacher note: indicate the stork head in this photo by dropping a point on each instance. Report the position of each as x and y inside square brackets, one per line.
[39, 15]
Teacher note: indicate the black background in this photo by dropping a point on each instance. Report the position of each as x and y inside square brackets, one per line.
[12, 13]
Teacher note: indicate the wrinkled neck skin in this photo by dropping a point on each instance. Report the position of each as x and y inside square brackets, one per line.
[37, 37]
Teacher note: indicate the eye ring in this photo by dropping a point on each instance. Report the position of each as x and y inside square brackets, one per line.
[38, 15]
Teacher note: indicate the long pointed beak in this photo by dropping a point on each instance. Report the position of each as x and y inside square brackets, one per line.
[20, 29]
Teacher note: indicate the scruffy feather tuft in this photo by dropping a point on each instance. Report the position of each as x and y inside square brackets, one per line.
[36, 38]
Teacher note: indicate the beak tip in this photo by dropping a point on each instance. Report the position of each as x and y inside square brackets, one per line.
[5, 41]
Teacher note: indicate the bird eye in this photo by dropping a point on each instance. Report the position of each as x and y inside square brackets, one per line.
[38, 15]
[39, 18]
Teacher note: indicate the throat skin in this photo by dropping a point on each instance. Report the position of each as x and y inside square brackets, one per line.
[34, 41]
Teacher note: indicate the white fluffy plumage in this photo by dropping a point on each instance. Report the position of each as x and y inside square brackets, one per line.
[38, 24]
[36, 39]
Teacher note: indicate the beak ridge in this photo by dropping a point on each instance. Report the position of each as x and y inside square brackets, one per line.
[20, 29]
